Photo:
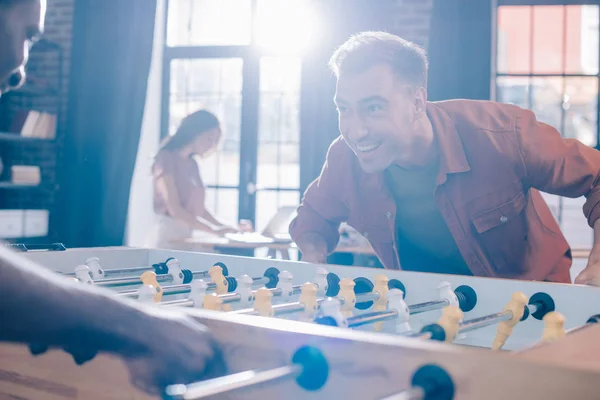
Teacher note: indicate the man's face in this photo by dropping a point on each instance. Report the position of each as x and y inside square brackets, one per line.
[21, 23]
[377, 116]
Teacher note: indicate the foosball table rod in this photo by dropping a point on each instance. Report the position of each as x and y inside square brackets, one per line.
[310, 369]
[97, 273]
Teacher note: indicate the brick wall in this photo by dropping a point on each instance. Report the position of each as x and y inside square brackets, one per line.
[411, 20]
[45, 91]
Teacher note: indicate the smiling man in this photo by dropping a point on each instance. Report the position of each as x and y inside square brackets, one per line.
[448, 187]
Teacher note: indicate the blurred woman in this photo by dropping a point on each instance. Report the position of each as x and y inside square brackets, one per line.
[179, 194]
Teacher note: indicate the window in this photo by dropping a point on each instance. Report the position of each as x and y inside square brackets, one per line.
[245, 66]
[209, 22]
[547, 61]
[278, 174]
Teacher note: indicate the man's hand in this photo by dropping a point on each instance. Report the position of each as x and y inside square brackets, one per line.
[314, 258]
[313, 248]
[591, 273]
[44, 310]
[174, 349]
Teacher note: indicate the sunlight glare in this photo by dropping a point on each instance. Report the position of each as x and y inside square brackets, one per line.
[285, 27]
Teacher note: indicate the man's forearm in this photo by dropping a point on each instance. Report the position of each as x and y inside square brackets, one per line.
[39, 306]
[595, 253]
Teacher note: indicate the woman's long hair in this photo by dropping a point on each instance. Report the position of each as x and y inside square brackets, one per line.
[191, 127]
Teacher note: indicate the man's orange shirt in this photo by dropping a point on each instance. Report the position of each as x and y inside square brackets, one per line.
[495, 158]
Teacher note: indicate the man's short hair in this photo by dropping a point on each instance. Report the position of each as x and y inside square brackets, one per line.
[366, 49]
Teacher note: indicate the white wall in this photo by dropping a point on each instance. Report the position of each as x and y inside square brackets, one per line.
[141, 216]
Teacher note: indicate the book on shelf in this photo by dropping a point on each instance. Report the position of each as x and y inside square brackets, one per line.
[35, 124]
[29, 175]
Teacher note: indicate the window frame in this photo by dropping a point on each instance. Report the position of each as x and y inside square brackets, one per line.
[495, 74]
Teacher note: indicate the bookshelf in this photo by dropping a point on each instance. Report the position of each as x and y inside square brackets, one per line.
[16, 137]
[35, 153]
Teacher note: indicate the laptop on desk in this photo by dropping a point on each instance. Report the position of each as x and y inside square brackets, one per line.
[276, 230]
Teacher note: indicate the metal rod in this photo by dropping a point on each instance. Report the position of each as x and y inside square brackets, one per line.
[278, 309]
[533, 307]
[178, 303]
[118, 282]
[427, 306]
[363, 297]
[231, 383]
[260, 281]
[132, 294]
[132, 271]
[369, 318]
[245, 311]
[486, 320]
[415, 393]
[177, 289]
[231, 297]
[141, 270]
[278, 292]
[288, 308]
[161, 278]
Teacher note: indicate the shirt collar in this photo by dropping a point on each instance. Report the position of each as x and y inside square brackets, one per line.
[452, 154]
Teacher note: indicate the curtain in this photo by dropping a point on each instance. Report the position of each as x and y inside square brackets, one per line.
[110, 62]
[460, 50]
[318, 118]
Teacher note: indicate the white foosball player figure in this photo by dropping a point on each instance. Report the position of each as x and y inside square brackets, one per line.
[244, 289]
[96, 270]
[146, 294]
[84, 274]
[331, 307]
[285, 285]
[174, 268]
[321, 281]
[445, 292]
[396, 302]
[308, 298]
[198, 288]
[149, 278]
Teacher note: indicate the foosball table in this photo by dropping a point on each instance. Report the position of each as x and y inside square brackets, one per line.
[298, 330]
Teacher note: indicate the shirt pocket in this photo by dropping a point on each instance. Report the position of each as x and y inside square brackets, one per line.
[502, 231]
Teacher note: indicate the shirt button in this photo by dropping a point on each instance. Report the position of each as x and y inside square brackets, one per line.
[388, 215]
[503, 218]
